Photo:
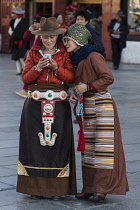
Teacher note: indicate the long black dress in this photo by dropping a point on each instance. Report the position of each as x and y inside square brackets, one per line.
[46, 170]
[17, 44]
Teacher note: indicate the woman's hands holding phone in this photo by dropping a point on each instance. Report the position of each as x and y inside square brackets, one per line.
[47, 62]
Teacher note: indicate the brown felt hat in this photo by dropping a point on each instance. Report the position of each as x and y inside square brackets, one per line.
[49, 27]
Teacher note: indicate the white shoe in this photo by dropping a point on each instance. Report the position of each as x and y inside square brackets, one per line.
[22, 93]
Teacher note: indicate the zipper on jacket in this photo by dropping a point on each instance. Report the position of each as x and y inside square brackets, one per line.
[48, 73]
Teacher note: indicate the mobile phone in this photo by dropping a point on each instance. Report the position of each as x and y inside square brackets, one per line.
[47, 56]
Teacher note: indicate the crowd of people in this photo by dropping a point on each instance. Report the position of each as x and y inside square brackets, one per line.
[56, 57]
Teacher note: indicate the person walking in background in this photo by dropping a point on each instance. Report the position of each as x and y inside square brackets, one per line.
[61, 24]
[103, 162]
[32, 40]
[46, 150]
[28, 36]
[118, 29]
[60, 21]
[83, 17]
[96, 23]
[70, 20]
[18, 46]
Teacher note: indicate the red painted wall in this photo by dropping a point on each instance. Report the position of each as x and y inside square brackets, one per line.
[109, 9]
[59, 7]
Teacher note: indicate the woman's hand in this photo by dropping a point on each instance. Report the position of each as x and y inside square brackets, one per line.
[47, 63]
[81, 88]
[32, 28]
[73, 97]
[116, 32]
[43, 62]
[52, 64]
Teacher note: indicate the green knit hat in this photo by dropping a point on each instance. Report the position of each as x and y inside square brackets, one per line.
[78, 33]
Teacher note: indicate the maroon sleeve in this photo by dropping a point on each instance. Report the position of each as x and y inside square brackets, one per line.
[27, 35]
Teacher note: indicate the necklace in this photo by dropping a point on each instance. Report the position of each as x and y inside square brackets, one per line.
[43, 48]
[51, 49]
[54, 48]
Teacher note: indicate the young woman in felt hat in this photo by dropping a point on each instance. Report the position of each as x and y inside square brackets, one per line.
[103, 162]
[46, 151]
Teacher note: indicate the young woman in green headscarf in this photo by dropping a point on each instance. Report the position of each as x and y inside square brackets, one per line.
[103, 162]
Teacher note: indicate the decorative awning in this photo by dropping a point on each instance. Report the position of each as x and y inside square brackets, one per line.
[90, 1]
[43, 1]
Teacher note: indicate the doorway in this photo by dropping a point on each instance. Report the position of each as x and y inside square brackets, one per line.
[93, 9]
[44, 9]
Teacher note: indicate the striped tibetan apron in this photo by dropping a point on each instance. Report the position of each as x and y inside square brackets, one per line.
[98, 131]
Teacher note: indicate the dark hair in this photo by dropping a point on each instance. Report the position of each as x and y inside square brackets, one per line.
[98, 14]
[83, 13]
[56, 15]
[37, 19]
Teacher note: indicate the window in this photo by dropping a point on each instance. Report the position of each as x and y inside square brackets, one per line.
[134, 15]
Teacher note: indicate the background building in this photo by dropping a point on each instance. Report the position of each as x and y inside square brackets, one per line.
[48, 8]
[130, 54]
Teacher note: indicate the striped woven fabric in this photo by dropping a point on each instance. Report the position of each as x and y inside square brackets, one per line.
[98, 131]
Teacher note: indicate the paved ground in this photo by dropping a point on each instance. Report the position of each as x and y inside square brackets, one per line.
[125, 91]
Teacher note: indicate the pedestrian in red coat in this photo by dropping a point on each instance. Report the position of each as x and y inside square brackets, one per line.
[31, 38]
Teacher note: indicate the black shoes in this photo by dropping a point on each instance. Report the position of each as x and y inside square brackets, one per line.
[115, 67]
[56, 198]
[84, 195]
[98, 198]
[34, 197]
